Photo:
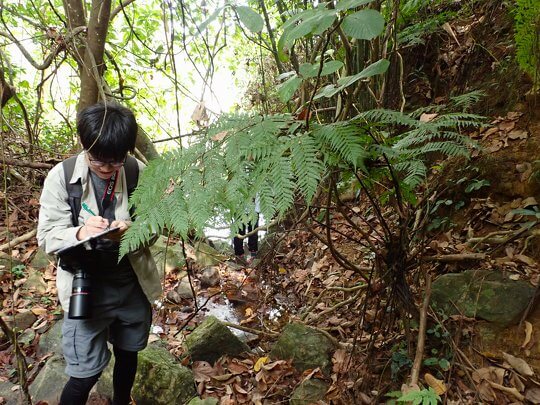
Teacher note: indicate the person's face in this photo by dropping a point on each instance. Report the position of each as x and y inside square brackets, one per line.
[103, 169]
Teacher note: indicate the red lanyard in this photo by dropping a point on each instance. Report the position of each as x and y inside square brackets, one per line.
[108, 195]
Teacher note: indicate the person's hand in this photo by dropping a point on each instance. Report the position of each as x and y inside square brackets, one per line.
[93, 226]
[123, 227]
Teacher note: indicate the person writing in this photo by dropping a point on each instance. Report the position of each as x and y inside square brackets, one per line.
[121, 290]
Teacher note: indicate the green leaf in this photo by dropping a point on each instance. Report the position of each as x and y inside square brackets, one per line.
[365, 24]
[308, 70]
[250, 18]
[209, 20]
[374, 69]
[287, 89]
[312, 22]
[347, 4]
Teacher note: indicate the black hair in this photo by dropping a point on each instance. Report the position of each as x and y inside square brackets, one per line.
[108, 131]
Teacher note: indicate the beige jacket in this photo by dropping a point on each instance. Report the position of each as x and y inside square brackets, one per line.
[55, 229]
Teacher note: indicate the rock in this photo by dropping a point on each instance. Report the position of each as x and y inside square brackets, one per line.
[206, 255]
[51, 341]
[307, 347]
[184, 290]
[41, 259]
[209, 277]
[160, 379]
[309, 392]
[174, 259]
[211, 340]
[49, 382]
[482, 294]
[27, 337]
[206, 401]
[23, 320]
[35, 281]
[11, 393]
[7, 264]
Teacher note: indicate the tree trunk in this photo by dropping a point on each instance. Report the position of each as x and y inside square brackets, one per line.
[6, 91]
[90, 59]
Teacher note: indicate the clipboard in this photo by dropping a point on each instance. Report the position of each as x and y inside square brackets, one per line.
[80, 243]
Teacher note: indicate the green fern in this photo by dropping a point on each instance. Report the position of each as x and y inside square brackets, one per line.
[276, 159]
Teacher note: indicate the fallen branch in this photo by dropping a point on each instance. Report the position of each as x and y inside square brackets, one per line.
[458, 257]
[20, 239]
[417, 364]
[32, 165]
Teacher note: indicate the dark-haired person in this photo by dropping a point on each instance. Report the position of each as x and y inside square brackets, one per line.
[121, 291]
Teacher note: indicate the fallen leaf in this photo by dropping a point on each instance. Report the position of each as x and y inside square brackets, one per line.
[438, 385]
[260, 362]
[533, 395]
[526, 259]
[528, 334]
[520, 365]
[39, 311]
[425, 117]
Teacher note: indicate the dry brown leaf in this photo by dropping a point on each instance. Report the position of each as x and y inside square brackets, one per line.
[202, 371]
[495, 374]
[438, 385]
[520, 365]
[528, 334]
[39, 311]
[533, 395]
[518, 134]
[529, 261]
[425, 117]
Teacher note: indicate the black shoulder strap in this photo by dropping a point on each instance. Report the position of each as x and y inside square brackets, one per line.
[74, 189]
[131, 168]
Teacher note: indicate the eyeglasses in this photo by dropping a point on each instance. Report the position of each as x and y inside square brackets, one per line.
[100, 163]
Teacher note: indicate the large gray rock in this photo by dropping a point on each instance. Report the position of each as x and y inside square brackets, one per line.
[211, 340]
[51, 341]
[41, 259]
[174, 258]
[309, 392]
[160, 379]
[482, 294]
[49, 382]
[307, 347]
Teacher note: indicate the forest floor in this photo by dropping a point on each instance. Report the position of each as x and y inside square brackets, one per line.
[299, 280]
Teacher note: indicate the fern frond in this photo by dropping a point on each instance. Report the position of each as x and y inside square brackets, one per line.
[307, 167]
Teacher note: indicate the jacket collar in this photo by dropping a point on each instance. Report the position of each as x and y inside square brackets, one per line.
[82, 171]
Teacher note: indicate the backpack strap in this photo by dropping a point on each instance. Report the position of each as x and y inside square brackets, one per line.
[131, 168]
[74, 189]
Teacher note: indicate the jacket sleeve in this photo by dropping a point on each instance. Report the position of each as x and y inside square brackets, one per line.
[55, 229]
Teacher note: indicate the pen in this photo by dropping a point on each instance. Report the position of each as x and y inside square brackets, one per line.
[87, 209]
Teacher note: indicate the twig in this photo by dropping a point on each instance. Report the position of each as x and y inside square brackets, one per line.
[415, 371]
[458, 257]
[20, 239]
[335, 307]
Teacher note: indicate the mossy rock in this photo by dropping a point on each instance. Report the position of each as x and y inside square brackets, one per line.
[41, 259]
[174, 259]
[160, 379]
[308, 348]
[309, 392]
[483, 294]
[211, 340]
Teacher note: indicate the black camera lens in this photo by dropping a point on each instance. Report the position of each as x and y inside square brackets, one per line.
[79, 302]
